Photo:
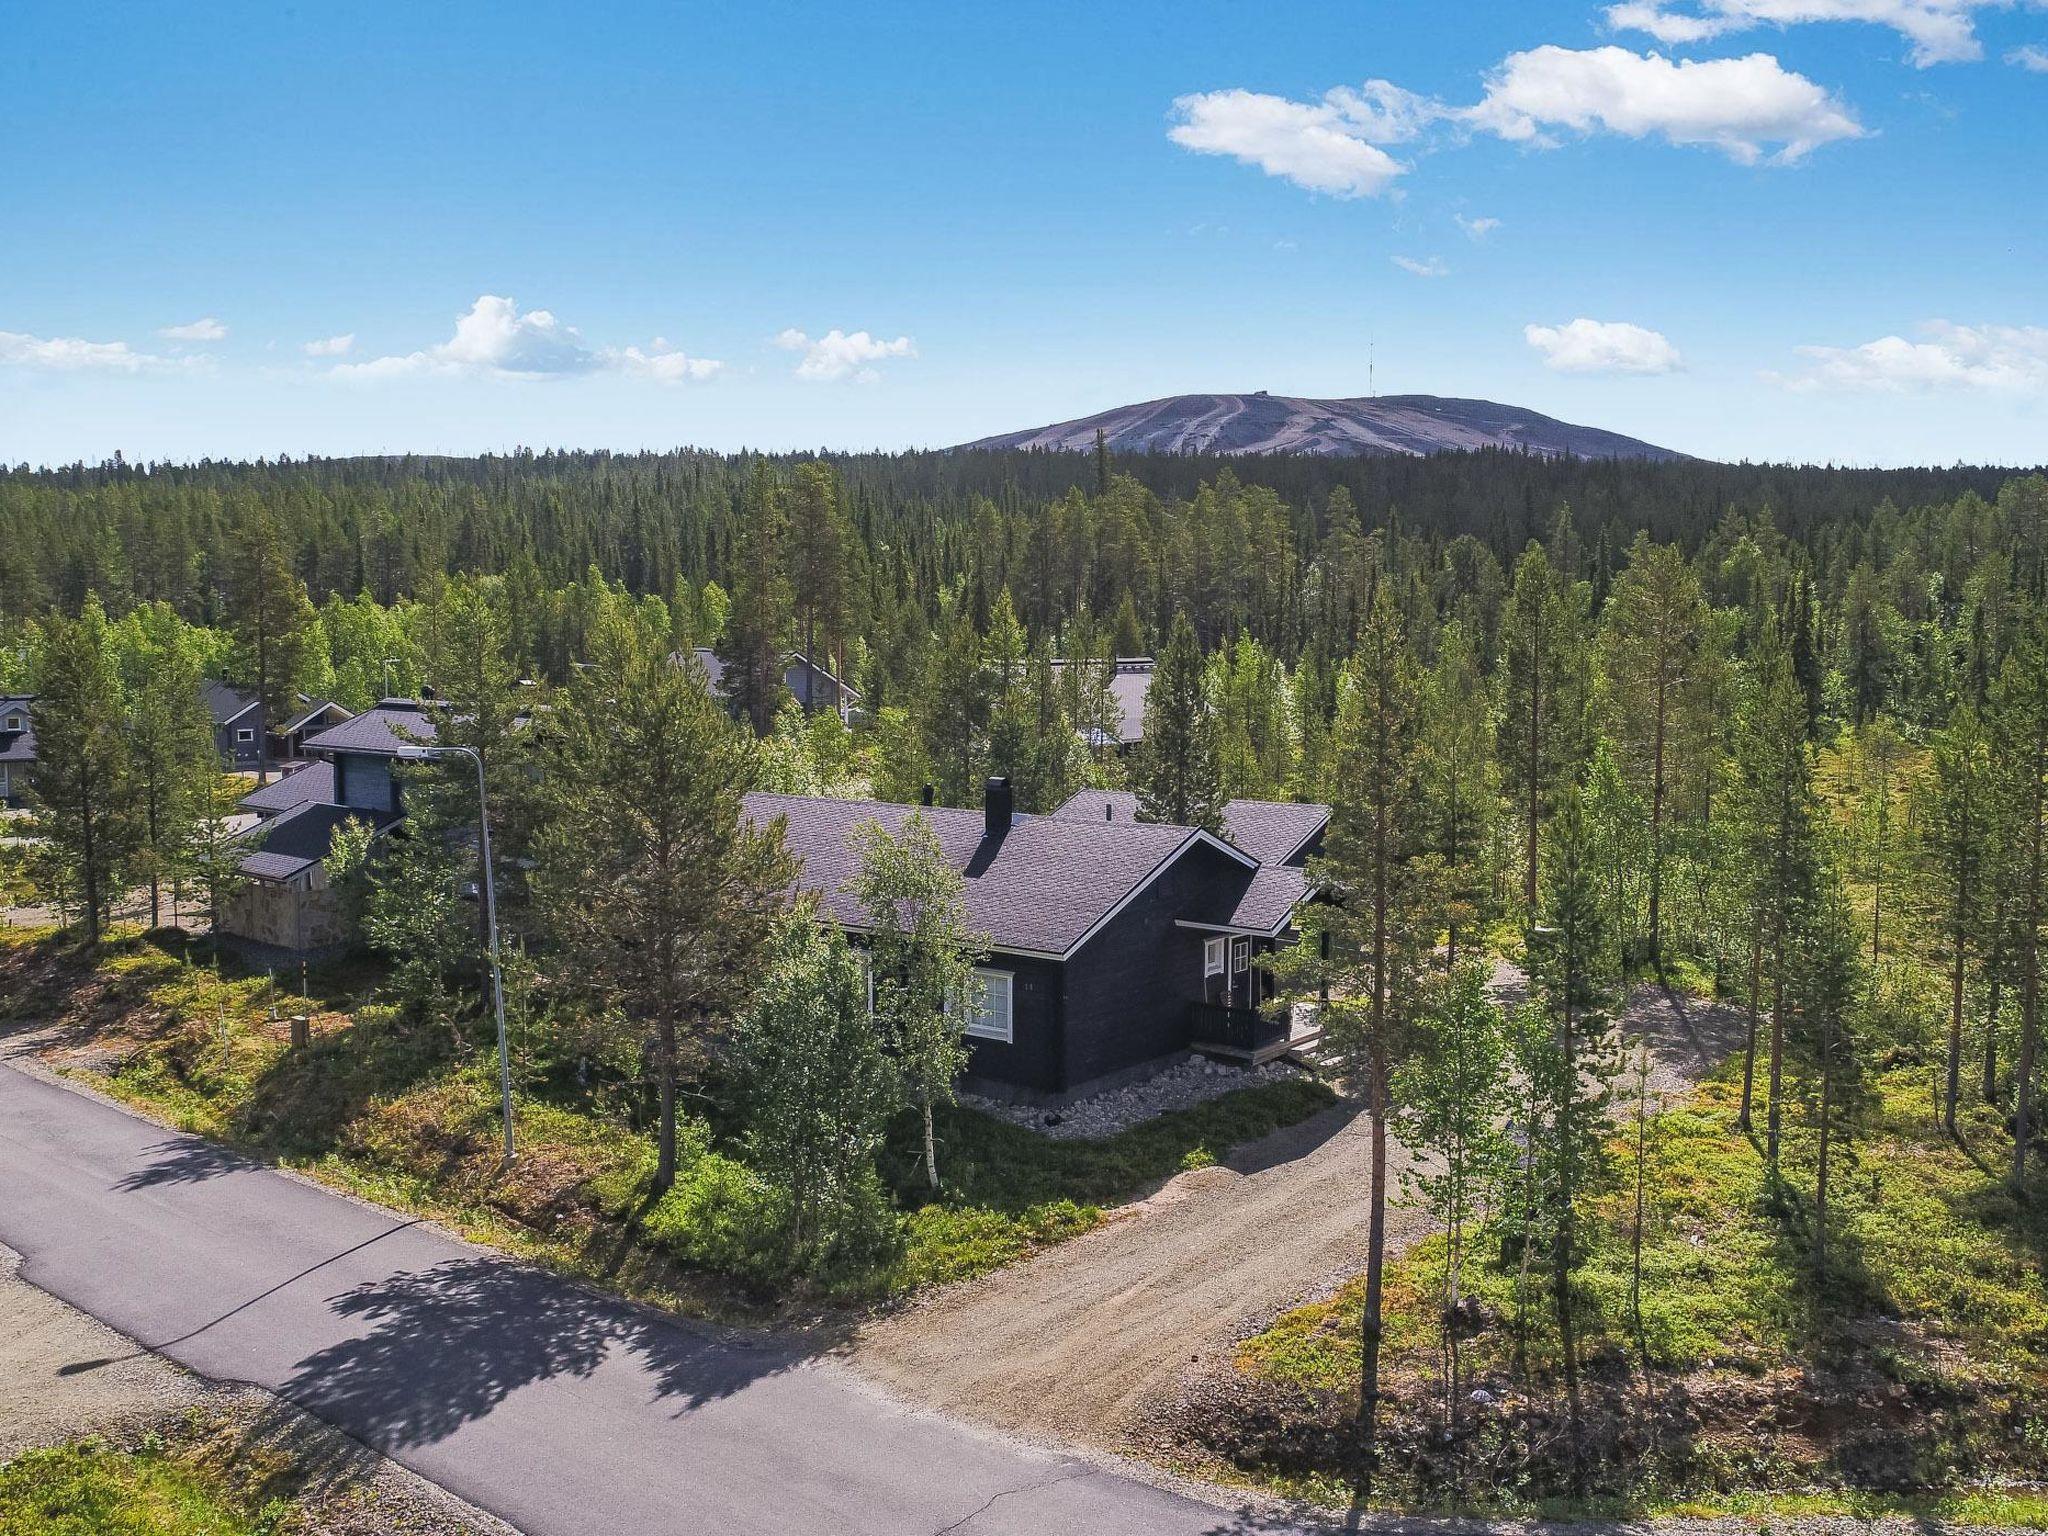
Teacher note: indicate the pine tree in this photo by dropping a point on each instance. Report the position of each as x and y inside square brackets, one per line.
[1456, 782]
[83, 795]
[2019, 712]
[1543, 709]
[1176, 771]
[657, 892]
[1956, 807]
[272, 617]
[171, 761]
[1364, 950]
[1652, 626]
[757, 626]
[822, 552]
[955, 703]
[1572, 1069]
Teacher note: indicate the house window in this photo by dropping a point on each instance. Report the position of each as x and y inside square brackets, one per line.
[989, 1018]
[15, 722]
[244, 733]
[1212, 957]
[1240, 955]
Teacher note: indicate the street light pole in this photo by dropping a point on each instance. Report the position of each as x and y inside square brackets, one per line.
[483, 821]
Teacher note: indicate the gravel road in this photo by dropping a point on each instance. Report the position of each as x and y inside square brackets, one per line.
[1077, 1343]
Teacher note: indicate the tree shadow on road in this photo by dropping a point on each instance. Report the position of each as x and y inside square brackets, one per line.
[449, 1344]
[183, 1160]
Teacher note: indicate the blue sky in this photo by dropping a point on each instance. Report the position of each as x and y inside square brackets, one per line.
[1723, 225]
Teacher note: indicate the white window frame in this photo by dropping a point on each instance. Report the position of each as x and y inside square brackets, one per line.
[1215, 953]
[1240, 956]
[244, 733]
[16, 723]
[982, 1023]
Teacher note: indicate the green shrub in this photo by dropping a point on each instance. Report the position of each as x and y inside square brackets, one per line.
[721, 1216]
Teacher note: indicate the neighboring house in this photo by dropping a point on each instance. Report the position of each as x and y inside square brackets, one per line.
[1115, 945]
[17, 746]
[284, 908]
[1129, 686]
[803, 680]
[288, 741]
[1271, 831]
[237, 725]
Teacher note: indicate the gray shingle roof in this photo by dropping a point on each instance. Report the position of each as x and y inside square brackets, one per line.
[302, 786]
[312, 707]
[1129, 685]
[1270, 898]
[394, 728]
[1040, 888]
[224, 701]
[298, 839]
[1271, 830]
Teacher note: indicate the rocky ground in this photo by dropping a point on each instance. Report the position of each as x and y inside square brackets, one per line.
[1182, 1086]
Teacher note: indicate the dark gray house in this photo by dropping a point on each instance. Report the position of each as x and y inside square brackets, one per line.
[285, 908]
[1130, 686]
[804, 680]
[1115, 945]
[237, 725]
[17, 746]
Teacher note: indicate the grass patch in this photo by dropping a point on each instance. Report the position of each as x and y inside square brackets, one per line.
[408, 1119]
[90, 1489]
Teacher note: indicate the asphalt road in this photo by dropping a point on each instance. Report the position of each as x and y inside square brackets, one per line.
[556, 1409]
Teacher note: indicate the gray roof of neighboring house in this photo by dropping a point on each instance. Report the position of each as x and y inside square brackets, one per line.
[1041, 888]
[225, 702]
[17, 746]
[1129, 685]
[290, 844]
[714, 670]
[302, 786]
[314, 708]
[394, 728]
[1271, 831]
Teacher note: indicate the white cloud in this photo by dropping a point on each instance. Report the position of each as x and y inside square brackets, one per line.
[1476, 229]
[1328, 146]
[1748, 108]
[208, 329]
[1937, 31]
[2011, 358]
[1602, 346]
[1739, 106]
[663, 363]
[2032, 57]
[837, 355]
[496, 339]
[72, 354]
[1428, 266]
[332, 346]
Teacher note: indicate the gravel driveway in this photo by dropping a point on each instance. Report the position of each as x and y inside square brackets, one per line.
[1074, 1344]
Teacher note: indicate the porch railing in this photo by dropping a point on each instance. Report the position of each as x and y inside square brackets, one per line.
[1240, 1029]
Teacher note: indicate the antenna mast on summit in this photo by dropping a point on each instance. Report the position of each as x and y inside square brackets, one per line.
[1371, 362]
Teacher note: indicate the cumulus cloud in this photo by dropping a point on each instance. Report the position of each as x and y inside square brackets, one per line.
[1602, 346]
[1936, 31]
[1428, 266]
[331, 346]
[2031, 57]
[496, 339]
[2008, 358]
[1476, 229]
[836, 355]
[72, 354]
[1331, 145]
[1738, 106]
[1749, 108]
[208, 329]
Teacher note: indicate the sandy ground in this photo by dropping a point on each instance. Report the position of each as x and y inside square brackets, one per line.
[64, 1375]
[1078, 1343]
